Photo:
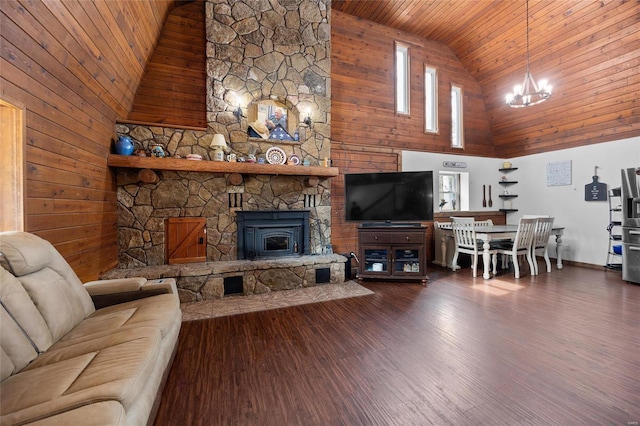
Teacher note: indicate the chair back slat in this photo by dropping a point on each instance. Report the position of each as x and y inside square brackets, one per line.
[544, 226]
[464, 233]
[483, 223]
[525, 234]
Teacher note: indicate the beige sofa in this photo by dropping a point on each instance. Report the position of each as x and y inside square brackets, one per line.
[64, 362]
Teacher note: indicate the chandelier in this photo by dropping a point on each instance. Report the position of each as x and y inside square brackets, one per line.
[528, 93]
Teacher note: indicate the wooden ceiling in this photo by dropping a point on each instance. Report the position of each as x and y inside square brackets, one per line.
[588, 50]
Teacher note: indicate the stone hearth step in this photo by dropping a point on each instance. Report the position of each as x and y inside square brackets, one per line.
[206, 280]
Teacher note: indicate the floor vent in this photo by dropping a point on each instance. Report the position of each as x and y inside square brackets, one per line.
[233, 285]
[323, 275]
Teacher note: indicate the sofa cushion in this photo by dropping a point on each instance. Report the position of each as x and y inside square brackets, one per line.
[19, 305]
[99, 414]
[17, 350]
[55, 301]
[114, 368]
[62, 352]
[161, 311]
[26, 253]
[6, 365]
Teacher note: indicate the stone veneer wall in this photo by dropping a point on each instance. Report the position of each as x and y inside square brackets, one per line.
[256, 50]
[144, 207]
[204, 281]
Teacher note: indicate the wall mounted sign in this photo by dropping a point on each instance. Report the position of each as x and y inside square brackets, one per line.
[595, 191]
[559, 173]
[455, 164]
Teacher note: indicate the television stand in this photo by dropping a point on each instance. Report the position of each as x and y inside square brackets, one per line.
[393, 253]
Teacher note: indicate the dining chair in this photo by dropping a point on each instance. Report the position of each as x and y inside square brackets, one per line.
[544, 225]
[465, 241]
[521, 244]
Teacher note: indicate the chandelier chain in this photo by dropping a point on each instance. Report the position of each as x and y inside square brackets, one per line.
[528, 67]
[529, 93]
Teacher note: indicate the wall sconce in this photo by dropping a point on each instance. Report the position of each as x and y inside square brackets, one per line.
[235, 99]
[238, 113]
[307, 120]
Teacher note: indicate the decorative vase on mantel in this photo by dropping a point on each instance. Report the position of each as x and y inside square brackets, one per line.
[124, 145]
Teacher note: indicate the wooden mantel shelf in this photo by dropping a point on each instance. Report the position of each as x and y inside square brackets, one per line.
[181, 164]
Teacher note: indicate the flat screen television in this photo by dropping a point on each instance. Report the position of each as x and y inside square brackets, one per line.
[389, 197]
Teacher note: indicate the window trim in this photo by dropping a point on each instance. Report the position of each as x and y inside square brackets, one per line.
[457, 192]
[431, 100]
[459, 113]
[12, 165]
[407, 86]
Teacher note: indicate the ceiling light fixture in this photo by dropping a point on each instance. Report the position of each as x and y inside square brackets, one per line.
[528, 93]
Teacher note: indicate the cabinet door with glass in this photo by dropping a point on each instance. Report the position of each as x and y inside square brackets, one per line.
[376, 260]
[408, 261]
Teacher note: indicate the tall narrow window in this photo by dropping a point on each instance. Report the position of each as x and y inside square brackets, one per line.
[430, 100]
[457, 128]
[402, 79]
[11, 167]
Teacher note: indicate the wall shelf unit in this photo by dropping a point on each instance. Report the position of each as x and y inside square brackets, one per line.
[506, 198]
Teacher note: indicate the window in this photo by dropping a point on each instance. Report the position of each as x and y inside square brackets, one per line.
[11, 167]
[457, 133]
[449, 191]
[402, 79]
[430, 100]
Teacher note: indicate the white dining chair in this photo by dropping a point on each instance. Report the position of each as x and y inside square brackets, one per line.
[521, 244]
[465, 241]
[544, 225]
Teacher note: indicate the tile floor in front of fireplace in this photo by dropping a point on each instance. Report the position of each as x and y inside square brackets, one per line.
[232, 305]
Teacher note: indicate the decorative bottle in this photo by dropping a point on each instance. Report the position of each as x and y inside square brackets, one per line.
[124, 145]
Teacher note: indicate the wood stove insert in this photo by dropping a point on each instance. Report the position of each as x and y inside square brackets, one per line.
[273, 234]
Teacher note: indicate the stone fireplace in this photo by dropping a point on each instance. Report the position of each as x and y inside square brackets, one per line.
[144, 209]
[267, 51]
[278, 51]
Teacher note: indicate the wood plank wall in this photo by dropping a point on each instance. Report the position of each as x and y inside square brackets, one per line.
[353, 159]
[75, 65]
[173, 88]
[590, 52]
[366, 133]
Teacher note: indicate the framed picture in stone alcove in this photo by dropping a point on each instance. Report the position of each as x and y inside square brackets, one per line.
[277, 118]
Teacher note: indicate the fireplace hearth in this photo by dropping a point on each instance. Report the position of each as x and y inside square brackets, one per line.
[273, 234]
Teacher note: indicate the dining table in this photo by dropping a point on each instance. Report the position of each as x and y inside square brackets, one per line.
[492, 233]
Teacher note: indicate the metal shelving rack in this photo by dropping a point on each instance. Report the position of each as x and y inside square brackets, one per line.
[614, 253]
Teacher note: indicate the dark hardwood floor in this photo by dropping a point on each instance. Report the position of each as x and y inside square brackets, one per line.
[557, 349]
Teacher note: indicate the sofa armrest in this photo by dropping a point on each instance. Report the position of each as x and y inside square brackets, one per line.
[119, 285]
[111, 292]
